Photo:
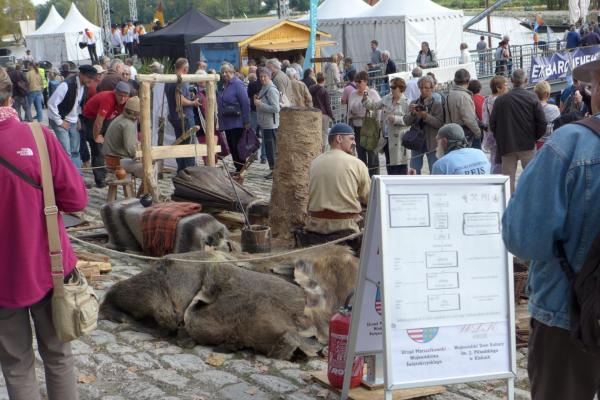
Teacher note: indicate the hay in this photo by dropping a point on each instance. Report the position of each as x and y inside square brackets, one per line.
[299, 142]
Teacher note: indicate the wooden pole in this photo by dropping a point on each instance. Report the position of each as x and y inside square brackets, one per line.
[211, 103]
[150, 184]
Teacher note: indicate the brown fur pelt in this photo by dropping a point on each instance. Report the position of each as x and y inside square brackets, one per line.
[275, 307]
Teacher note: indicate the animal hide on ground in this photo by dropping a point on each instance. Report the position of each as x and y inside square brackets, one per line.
[275, 307]
[122, 220]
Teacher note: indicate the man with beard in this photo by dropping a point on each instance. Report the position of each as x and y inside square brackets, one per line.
[339, 185]
[454, 155]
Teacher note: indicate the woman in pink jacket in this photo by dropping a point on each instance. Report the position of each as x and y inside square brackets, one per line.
[25, 278]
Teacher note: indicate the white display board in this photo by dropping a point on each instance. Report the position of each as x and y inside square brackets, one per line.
[435, 290]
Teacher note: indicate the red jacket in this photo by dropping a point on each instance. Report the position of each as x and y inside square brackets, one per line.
[25, 276]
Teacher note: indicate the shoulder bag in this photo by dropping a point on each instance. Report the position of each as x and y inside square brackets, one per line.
[74, 303]
[369, 132]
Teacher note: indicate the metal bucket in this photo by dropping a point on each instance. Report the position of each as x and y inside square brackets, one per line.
[256, 239]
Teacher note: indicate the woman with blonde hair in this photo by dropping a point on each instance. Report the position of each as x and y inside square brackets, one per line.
[551, 111]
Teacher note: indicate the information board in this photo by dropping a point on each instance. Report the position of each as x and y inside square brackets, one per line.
[435, 287]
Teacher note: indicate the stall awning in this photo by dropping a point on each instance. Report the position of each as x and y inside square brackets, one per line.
[286, 46]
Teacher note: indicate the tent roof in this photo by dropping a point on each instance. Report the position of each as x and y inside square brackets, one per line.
[190, 26]
[394, 8]
[74, 22]
[53, 20]
[242, 31]
[238, 31]
[339, 9]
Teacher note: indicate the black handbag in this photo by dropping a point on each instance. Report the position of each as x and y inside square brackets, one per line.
[414, 139]
[231, 110]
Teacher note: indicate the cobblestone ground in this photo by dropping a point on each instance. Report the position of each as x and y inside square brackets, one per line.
[117, 363]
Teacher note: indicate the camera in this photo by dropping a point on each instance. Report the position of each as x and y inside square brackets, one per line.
[420, 107]
[366, 93]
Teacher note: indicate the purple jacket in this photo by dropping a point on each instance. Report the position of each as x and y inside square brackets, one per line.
[233, 93]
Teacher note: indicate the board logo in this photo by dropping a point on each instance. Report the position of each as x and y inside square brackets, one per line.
[422, 335]
[378, 300]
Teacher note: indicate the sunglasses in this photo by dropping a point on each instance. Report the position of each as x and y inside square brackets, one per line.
[394, 87]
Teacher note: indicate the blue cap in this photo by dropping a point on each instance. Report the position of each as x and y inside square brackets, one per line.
[341, 129]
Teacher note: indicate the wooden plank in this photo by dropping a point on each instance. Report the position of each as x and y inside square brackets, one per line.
[87, 256]
[101, 267]
[182, 150]
[362, 393]
[172, 78]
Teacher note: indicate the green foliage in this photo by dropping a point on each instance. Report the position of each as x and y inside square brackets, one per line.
[12, 12]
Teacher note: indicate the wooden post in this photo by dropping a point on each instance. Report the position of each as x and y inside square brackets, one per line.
[211, 103]
[150, 184]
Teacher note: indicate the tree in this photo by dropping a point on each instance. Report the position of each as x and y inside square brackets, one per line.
[14, 11]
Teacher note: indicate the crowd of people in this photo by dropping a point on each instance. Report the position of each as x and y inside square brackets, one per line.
[93, 114]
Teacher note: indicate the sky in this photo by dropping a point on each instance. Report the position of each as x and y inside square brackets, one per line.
[36, 2]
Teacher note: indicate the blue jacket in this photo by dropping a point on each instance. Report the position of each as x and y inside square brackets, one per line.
[233, 93]
[557, 198]
[573, 40]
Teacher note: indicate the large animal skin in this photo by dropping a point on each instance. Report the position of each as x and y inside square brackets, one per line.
[122, 220]
[279, 308]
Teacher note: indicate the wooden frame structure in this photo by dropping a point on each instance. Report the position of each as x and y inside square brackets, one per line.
[151, 153]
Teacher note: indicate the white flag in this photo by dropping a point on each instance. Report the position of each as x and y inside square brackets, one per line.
[549, 34]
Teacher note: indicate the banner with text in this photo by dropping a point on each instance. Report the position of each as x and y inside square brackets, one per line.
[560, 64]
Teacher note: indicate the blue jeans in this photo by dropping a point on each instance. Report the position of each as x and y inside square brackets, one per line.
[417, 159]
[183, 163]
[70, 141]
[37, 99]
[269, 139]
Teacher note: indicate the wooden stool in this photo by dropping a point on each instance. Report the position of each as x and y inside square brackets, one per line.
[113, 186]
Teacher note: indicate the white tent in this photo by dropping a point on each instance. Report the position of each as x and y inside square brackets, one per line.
[399, 26]
[62, 43]
[336, 9]
[53, 20]
[34, 43]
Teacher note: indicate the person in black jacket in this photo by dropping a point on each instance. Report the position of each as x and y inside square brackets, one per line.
[20, 86]
[389, 66]
[517, 121]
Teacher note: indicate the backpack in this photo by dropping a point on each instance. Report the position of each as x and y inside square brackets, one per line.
[585, 285]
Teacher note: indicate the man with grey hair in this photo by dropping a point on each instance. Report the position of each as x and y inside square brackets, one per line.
[388, 65]
[412, 92]
[301, 96]
[460, 106]
[280, 80]
[517, 121]
[114, 76]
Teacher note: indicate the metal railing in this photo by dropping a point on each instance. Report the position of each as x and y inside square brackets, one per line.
[486, 65]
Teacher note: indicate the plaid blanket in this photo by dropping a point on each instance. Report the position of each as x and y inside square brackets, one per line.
[159, 226]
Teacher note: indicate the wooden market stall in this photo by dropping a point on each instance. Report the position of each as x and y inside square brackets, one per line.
[151, 153]
[242, 40]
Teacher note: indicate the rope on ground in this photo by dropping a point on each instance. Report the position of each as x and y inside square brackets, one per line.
[261, 258]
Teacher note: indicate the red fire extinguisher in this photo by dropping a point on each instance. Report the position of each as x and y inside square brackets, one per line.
[339, 328]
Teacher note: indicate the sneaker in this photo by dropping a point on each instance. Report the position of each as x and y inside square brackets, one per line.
[263, 160]
[269, 176]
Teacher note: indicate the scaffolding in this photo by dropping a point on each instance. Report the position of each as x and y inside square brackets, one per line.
[105, 23]
[133, 10]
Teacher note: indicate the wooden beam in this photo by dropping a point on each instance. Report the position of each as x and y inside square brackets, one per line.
[211, 104]
[178, 151]
[172, 78]
[150, 184]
